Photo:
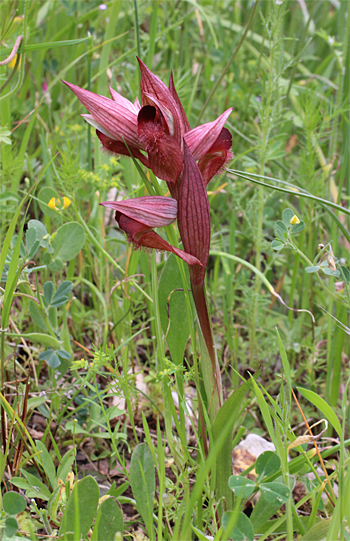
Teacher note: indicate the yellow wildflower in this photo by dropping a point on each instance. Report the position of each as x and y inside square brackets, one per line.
[59, 204]
[294, 220]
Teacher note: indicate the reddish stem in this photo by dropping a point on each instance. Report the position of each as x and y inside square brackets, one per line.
[204, 321]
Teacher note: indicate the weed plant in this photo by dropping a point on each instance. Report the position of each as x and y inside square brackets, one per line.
[107, 427]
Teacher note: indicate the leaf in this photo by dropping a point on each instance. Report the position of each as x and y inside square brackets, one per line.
[48, 292]
[51, 357]
[60, 296]
[80, 509]
[63, 354]
[242, 530]
[47, 463]
[5, 135]
[227, 415]
[56, 265]
[142, 480]
[68, 241]
[271, 499]
[13, 503]
[65, 465]
[313, 268]
[318, 532]
[287, 216]
[241, 486]
[284, 358]
[330, 272]
[36, 315]
[179, 330]
[11, 526]
[280, 225]
[277, 244]
[297, 228]
[32, 243]
[109, 521]
[346, 273]
[275, 493]
[322, 405]
[44, 339]
[267, 464]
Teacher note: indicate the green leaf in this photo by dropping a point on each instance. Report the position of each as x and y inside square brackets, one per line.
[243, 529]
[297, 228]
[11, 526]
[13, 503]
[318, 532]
[5, 135]
[36, 315]
[32, 243]
[241, 486]
[277, 244]
[32, 485]
[56, 265]
[60, 296]
[47, 463]
[109, 521]
[65, 465]
[68, 241]
[48, 292]
[51, 357]
[227, 415]
[179, 330]
[330, 272]
[273, 496]
[267, 464]
[284, 358]
[313, 268]
[142, 480]
[44, 339]
[287, 216]
[280, 225]
[275, 493]
[346, 273]
[63, 354]
[80, 509]
[322, 405]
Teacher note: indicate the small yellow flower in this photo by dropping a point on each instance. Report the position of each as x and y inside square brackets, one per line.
[13, 63]
[59, 204]
[294, 220]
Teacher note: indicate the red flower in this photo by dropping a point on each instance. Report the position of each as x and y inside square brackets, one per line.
[137, 218]
[155, 130]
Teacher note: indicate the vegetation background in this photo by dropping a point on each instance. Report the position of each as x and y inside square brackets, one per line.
[91, 366]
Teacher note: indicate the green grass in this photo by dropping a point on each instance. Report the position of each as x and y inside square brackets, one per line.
[112, 384]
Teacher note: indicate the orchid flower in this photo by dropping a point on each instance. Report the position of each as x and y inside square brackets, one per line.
[155, 130]
[137, 218]
[158, 134]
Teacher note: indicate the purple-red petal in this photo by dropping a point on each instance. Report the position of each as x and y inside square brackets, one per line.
[194, 216]
[119, 121]
[217, 156]
[151, 211]
[202, 138]
[143, 237]
[153, 86]
[118, 147]
[179, 104]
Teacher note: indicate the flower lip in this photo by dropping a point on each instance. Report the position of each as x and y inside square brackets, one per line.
[152, 211]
